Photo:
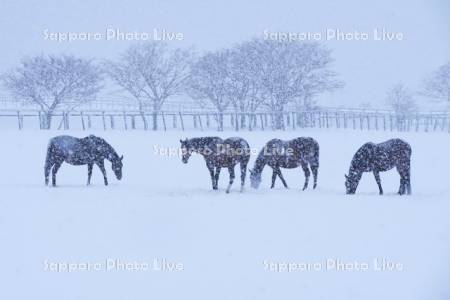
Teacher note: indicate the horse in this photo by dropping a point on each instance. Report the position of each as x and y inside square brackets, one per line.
[219, 154]
[277, 154]
[378, 158]
[88, 151]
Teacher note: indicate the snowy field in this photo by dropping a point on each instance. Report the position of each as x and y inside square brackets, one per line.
[179, 239]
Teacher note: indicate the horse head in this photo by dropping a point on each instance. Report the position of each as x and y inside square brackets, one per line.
[185, 150]
[117, 167]
[255, 179]
[351, 182]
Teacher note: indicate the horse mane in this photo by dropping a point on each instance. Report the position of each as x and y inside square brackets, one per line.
[360, 156]
[260, 161]
[199, 143]
[112, 153]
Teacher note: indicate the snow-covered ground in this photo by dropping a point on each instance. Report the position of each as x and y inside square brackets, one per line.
[219, 246]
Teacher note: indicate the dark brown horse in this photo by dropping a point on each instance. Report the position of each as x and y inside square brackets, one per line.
[291, 154]
[85, 151]
[219, 154]
[378, 158]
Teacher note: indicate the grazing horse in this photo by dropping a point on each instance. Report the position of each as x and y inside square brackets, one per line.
[378, 158]
[219, 154]
[85, 151]
[302, 151]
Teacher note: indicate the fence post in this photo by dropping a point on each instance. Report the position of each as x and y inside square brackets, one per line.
[125, 124]
[104, 120]
[181, 120]
[82, 121]
[19, 121]
[200, 122]
[417, 122]
[66, 120]
[111, 119]
[376, 121]
[164, 121]
[40, 119]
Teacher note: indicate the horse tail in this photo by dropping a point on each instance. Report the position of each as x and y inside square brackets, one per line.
[48, 160]
[408, 182]
[315, 154]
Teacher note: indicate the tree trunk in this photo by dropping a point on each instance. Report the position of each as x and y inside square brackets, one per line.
[220, 120]
[142, 113]
[46, 120]
[278, 119]
[155, 120]
[243, 118]
[144, 119]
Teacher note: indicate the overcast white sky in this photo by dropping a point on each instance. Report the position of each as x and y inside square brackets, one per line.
[367, 67]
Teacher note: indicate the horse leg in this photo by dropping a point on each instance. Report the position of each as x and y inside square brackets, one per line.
[48, 163]
[281, 177]
[408, 183]
[307, 174]
[274, 177]
[231, 171]
[101, 166]
[216, 178]
[55, 169]
[378, 180]
[407, 179]
[404, 179]
[211, 173]
[314, 170]
[90, 166]
[401, 190]
[48, 167]
[243, 175]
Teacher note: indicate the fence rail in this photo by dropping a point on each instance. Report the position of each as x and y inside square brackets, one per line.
[292, 120]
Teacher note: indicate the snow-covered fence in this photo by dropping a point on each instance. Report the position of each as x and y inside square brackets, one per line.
[203, 121]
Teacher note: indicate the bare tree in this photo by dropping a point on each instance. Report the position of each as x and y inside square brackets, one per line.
[244, 90]
[209, 82]
[151, 72]
[53, 82]
[400, 99]
[437, 86]
[263, 72]
[291, 71]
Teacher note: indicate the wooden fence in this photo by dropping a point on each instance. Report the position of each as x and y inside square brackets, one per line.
[293, 120]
